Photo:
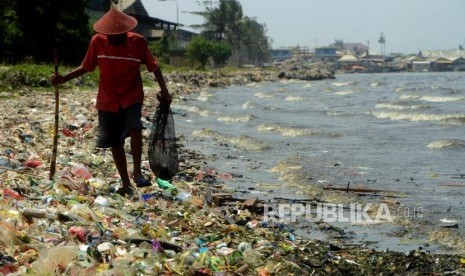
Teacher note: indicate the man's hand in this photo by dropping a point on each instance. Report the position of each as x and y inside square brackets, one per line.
[57, 79]
[164, 97]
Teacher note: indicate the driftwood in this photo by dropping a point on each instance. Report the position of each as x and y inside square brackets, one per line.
[453, 185]
[356, 190]
[16, 171]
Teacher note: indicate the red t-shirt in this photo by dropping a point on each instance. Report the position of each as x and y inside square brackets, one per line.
[120, 81]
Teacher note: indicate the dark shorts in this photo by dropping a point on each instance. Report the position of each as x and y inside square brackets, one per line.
[114, 127]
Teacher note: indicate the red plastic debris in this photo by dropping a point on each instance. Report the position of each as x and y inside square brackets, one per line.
[32, 163]
[67, 132]
[12, 194]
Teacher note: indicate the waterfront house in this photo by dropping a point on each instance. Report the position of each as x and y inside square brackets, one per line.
[421, 66]
[458, 64]
[151, 28]
[348, 61]
[280, 54]
[325, 54]
[441, 64]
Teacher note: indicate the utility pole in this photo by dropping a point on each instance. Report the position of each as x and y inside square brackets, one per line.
[368, 48]
[382, 42]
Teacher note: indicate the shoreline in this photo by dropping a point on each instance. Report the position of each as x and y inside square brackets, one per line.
[205, 238]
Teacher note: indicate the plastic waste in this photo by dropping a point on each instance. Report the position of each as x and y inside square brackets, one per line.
[12, 194]
[81, 171]
[100, 200]
[33, 163]
[251, 256]
[8, 234]
[146, 197]
[52, 259]
[183, 196]
[79, 232]
[166, 185]
[37, 213]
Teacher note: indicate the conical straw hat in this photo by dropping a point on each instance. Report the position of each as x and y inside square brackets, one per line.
[115, 22]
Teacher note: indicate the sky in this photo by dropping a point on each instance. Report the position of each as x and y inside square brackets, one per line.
[407, 25]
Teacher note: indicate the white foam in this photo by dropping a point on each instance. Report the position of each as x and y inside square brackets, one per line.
[263, 95]
[342, 83]
[416, 117]
[294, 98]
[398, 106]
[437, 99]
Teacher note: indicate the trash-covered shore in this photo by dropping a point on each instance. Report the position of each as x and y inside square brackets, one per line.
[188, 225]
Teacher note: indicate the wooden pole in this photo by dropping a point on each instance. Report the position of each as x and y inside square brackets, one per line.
[55, 130]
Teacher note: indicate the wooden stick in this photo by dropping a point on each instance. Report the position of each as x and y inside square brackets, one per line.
[357, 190]
[55, 130]
[16, 171]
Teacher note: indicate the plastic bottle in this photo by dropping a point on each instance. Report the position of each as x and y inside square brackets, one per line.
[165, 185]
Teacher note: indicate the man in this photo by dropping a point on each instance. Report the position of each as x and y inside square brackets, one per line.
[118, 53]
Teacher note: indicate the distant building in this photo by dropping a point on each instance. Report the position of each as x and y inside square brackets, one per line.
[150, 27]
[421, 66]
[441, 64]
[326, 54]
[280, 54]
[458, 64]
[356, 48]
[349, 62]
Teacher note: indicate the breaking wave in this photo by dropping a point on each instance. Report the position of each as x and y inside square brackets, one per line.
[197, 110]
[294, 98]
[447, 144]
[400, 106]
[293, 132]
[342, 83]
[416, 117]
[262, 95]
[236, 119]
[243, 142]
[437, 99]
[347, 92]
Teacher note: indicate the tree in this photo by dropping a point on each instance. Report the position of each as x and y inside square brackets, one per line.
[34, 28]
[338, 44]
[221, 52]
[254, 40]
[226, 22]
[11, 35]
[222, 22]
[160, 49]
[199, 50]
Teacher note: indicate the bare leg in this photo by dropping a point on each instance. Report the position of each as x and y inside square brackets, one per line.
[119, 158]
[136, 149]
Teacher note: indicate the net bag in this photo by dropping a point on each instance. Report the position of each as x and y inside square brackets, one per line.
[162, 152]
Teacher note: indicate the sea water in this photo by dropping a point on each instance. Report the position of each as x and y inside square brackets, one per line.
[402, 132]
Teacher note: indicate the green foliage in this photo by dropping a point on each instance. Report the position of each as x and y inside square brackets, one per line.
[221, 52]
[254, 40]
[226, 23]
[34, 28]
[38, 77]
[11, 36]
[160, 49]
[199, 50]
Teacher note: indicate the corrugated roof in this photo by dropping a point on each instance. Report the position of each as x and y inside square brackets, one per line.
[132, 6]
